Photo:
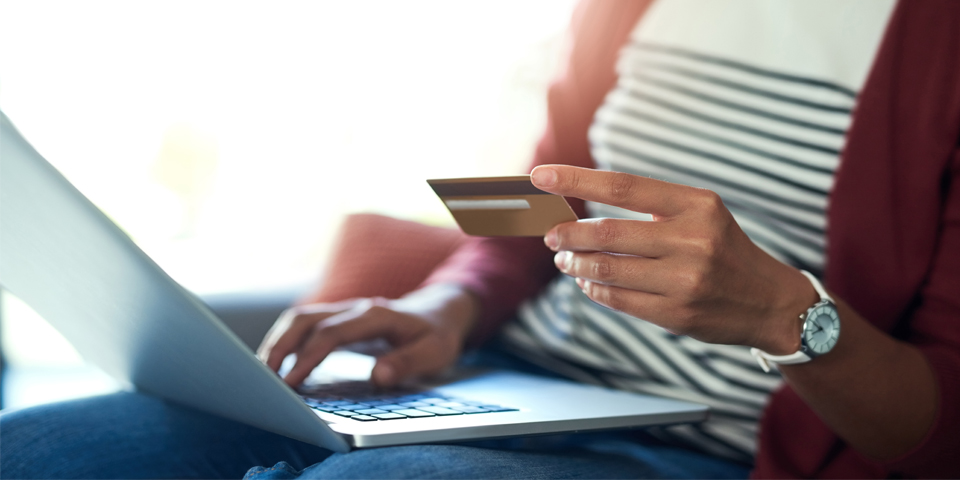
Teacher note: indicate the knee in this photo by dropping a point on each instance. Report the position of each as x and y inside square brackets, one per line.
[56, 440]
[409, 462]
[30, 444]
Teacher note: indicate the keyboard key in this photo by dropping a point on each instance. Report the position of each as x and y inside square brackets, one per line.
[498, 408]
[345, 413]
[468, 409]
[363, 418]
[434, 400]
[355, 406]
[337, 403]
[389, 416]
[324, 408]
[440, 410]
[415, 404]
[450, 404]
[414, 413]
[371, 411]
[391, 408]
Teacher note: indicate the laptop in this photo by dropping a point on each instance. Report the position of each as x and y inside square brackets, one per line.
[66, 259]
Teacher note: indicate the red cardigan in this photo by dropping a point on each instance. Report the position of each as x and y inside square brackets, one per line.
[893, 248]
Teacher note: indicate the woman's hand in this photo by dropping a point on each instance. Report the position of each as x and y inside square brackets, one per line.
[426, 330]
[692, 270]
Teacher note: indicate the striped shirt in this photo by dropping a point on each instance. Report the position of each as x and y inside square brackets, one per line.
[748, 98]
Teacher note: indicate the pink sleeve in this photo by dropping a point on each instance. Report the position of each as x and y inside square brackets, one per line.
[502, 272]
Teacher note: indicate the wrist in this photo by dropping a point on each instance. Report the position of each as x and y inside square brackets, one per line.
[449, 306]
[784, 327]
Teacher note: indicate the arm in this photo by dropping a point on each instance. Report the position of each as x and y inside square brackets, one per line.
[919, 371]
[694, 272]
[860, 389]
[482, 283]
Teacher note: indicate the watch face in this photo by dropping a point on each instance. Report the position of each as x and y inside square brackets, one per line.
[822, 328]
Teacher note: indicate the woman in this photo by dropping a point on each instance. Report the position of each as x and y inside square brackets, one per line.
[741, 110]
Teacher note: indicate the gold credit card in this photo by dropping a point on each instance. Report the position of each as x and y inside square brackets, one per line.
[502, 206]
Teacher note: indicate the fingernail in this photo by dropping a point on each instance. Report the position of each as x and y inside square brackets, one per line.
[562, 259]
[383, 374]
[544, 177]
[551, 239]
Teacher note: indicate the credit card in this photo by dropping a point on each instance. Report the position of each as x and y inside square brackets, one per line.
[502, 206]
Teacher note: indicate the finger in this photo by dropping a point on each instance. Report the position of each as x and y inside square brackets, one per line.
[342, 329]
[291, 329]
[669, 313]
[624, 271]
[632, 192]
[633, 237]
[427, 355]
[650, 307]
[267, 351]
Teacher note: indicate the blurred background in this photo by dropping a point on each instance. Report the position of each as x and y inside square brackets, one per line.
[229, 139]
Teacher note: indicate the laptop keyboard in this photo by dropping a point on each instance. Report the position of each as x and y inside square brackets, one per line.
[361, 401]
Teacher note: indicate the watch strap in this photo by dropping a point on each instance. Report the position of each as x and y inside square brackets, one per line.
[817, 286]
[765, 359]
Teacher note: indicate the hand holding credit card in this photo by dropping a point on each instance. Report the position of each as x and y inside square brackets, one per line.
[502, 206]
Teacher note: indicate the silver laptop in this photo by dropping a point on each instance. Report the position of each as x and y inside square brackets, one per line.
[67, 260]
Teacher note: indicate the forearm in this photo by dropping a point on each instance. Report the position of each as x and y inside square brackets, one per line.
[876, 392]
[448, 305]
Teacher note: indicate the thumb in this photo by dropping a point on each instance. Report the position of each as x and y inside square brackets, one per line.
[425, 356]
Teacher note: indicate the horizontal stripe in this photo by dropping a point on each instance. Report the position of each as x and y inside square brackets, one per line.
[768, 173]
[497, 204]
[699, 373]
[736, 106]
[790, 130]
[657, 161]
[632, 58]
[559, 344]
[750, 222]
[720, 140]
[826, 118]
[678, 364]
[623, 153]
[610, 359]
[746, 68]
[755, 154]
[770, 196]
[747, 88]
[729, 124]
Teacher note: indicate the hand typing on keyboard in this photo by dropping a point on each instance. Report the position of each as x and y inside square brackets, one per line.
[425, 329]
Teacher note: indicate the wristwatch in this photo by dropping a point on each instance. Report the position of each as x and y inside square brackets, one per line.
[821, 329]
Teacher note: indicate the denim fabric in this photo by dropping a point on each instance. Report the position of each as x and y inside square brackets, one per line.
[129, 435]
[471, 462]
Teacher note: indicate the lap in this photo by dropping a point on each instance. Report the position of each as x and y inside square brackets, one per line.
[555, 457]
[129, 435]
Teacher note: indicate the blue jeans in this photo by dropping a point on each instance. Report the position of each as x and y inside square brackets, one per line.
[130, 435]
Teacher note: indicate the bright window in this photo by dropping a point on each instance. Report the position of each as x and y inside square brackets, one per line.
[229, 138]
